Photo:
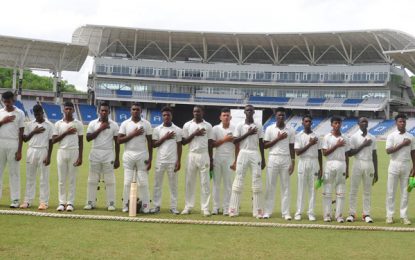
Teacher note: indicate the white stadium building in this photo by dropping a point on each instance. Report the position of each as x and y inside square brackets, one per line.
[347, 73]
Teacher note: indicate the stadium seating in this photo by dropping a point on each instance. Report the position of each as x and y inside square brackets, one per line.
[352, 102]
[280, 101]
[382, 127]
[20, 106]
[316, 122]
[28, 104]
[155, 118]
[218, 100]
[87, 112]
[298, 102]
[53, 111]
[171, 96]
[123, 93]
[347, 124]
[121, 114]
[412, 131]
[269, 122]
[294, 122]
[315, 101]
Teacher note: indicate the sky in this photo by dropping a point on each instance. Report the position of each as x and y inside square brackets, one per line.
[56, 20]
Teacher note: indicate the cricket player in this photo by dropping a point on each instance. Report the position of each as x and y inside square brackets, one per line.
[308, 149]
[68, 132]
[103, 133]
[38, 133]
[135, 133]
[335, 147]
[279, 139]
[365, 169]
[168, 138]
[224, 161]
[248, 135]
[400, 145]
[198, 134]
[11, 139]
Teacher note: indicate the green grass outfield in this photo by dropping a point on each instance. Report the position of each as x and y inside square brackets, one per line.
[34, 237]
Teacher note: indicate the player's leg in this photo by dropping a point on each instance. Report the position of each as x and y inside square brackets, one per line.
[62, 173]
[301, 186]
[143, 187]
[31, 169]
[285, 190]
[109, 178]
[14, 177]
[403, 181]
[355, 179]
[238, 183]
[311, 177]
[217, 176]
[44, 189]
[392, 184]
[72, 172]
[129, 172]
[257, 200]
[340, 191]
[204, 184]
[191, 170]
[270, 186]
[329, 179]
[367, 192]
[158, 184]
[93, 179]
[227, 177]
[173, 185]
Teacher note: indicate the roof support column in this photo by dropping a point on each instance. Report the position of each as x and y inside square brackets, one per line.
[20, 85]
[57, 81]
[14, 79]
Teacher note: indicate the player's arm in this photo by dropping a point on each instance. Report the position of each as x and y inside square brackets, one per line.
[80, 150]
[122, 138]
[233, 166]
[179, 156]
[292, 154]
[198, 132]
[375, 164]
[398, 147]
[346, 154]
[37, 130]
[50, 148]
[58, 138]
[413, 163]
[320, 162]
[18, 155]
[226, 139]
[6, 120]
[251, 131]
[210, 150]
[150, 152]
[167, 136]
[366, 142]
[117, 153]
[280, 136]
[93, 135]
[261, 150]
[340, 143]
[304, 149]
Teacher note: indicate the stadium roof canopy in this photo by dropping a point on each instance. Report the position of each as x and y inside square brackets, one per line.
[343, 47]
[39, 54]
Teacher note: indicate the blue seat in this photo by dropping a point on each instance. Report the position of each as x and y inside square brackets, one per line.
[20, 106]
[268, 100]
[316, 122]
[124, 93]
[315, 101]
[382, 127]
[88, 113]
[171, 96]
[53, 111]
[218, 100]
[122, 114]
[155, 118]
[348, 124]
[412, 131]
[269, 122]
[352, 102]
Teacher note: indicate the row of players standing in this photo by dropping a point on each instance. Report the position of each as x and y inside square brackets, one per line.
[246, 142]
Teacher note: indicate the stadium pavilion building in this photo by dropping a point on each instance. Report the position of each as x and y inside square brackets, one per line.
[348, 73]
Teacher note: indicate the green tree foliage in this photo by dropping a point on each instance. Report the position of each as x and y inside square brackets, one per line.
[33, 81]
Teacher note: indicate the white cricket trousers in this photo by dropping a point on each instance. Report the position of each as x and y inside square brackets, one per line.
[398, 172]
[363, 171]
[222, 171]
[247, 160]
[308, 169]
[67, 175]
[197, 162]
[173, 178]
[34, 161]
[8, 149]
[334, 178]
[98, 171]
[278, 165]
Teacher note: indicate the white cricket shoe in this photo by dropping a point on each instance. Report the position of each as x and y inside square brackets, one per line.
[340, 220]
[287, 217]
[297, 217]
[226, 212]
[174, 211]
[186, 211]
[14, 204]
[266, 216]
[88, 207]
[206, 213]
[406, 221]
[367, 219]
[61, 207]
[125, 209]
[311, 217]
[327, 219]
[389, 220]
[350, 218]
[215, 212]
[111, 208]
[69, 208]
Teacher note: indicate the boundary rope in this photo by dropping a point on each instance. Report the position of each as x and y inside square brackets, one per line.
[206, 222]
